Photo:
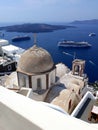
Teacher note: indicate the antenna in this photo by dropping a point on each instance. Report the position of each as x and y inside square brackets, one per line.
[35, 41]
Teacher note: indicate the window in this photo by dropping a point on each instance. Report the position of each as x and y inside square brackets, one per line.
[79, 92]
[9, 67]
[69, 104]
[39, 86]
[77, 68]
[22, 80]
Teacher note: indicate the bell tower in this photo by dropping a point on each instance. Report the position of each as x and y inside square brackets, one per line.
[78, 67]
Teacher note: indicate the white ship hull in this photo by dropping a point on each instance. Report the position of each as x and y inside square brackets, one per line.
[73, 44]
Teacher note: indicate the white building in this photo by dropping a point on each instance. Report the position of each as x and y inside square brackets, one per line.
[20, 113]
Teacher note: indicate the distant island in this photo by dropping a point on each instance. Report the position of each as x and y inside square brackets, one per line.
[34, 28]
[93, 21]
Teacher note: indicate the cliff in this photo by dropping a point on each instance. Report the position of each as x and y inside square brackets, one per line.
[93, 21]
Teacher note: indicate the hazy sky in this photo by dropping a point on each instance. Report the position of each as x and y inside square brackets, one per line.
[47, 10]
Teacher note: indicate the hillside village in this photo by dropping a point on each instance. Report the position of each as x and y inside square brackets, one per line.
[38, 78]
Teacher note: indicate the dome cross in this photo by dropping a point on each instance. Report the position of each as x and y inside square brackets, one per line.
[35, 39]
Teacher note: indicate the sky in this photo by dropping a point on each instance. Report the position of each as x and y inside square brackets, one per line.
[47, 10]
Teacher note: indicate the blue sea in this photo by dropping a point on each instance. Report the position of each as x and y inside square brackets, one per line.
[49, 42]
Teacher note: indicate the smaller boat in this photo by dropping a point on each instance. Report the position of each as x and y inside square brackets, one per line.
[20, 38]
[92, 34]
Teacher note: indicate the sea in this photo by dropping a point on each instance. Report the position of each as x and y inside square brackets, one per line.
[49, 41]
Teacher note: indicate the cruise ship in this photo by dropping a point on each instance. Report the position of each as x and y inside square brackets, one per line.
[66, 43]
